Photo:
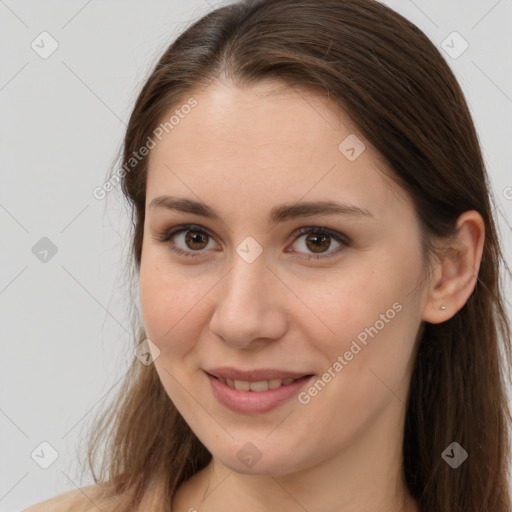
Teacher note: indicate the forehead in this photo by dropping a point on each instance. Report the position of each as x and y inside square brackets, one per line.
[265, 143]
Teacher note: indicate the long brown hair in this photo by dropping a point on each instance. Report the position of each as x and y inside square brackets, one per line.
[401, 94]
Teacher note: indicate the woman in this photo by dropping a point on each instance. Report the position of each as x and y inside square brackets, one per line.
[318, 269]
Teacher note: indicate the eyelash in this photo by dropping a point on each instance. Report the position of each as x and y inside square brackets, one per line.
[315, 230]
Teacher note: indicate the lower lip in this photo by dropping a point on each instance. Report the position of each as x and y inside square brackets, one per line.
[255, 402]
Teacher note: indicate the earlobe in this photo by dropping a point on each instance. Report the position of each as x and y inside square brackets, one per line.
[457, 272]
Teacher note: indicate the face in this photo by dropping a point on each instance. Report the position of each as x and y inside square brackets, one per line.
[260, 286]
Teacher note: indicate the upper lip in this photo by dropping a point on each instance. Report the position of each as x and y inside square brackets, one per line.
[256, 375]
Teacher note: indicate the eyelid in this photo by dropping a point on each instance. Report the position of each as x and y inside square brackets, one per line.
[341, 238]
[166, 235]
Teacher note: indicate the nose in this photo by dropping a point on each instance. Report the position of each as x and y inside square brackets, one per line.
[247, 310]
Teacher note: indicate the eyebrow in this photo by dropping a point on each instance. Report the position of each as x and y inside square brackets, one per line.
[278, 214]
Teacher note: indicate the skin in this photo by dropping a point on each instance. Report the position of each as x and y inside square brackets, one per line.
[243, 151]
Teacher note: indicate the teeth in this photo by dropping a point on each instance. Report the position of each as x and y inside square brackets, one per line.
[275, 383]
[241, 385]
[262, 385]
[259, 386]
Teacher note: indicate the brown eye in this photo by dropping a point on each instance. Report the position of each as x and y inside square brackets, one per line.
[188, 240]
[196, 240]
[318, 241]
[193, 241]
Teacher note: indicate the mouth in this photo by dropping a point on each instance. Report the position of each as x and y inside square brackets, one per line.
[258, 386]
[257, 391]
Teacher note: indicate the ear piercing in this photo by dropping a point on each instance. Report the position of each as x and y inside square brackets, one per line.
[443, 307]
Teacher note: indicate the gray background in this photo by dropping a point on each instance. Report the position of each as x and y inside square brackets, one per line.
[66, 339]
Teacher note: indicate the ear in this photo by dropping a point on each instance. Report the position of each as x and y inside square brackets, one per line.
[455, 276]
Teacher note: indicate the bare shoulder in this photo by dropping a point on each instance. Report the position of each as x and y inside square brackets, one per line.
[101, 497]
[84, 499]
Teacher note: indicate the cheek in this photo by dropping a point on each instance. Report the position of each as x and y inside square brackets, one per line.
[365, 362]
[161, 308]
[370, 319]
[172, 305]
[152, 298]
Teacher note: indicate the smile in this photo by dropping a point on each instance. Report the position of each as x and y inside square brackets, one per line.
[262, 385]
[255, 396]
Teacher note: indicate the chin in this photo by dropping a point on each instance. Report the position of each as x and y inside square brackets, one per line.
[247, 459]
